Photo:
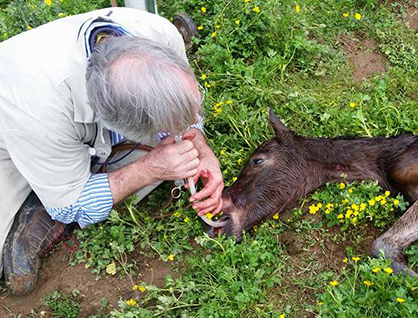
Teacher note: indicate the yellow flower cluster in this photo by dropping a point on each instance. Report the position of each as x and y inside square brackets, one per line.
[218, 108]
[131, 302]
[140, 288]
[357, 15]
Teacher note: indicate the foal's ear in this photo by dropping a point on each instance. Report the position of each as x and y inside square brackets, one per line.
[278, 127]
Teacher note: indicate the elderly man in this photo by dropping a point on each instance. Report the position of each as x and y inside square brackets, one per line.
[73, 88]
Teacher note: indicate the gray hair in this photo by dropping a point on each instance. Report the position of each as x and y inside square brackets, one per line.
[139, 88]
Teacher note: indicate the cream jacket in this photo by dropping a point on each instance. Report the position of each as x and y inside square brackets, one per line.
[48, 132]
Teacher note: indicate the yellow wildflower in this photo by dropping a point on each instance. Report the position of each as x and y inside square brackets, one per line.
[342, 185]
[282, 316]
[313, 209]
[234, 179]
[256, 9]
[356, 259]
[142, 288]
[297, 8]
[177, 214]
[28, 27]
[348, 214]
[387, 193]
[334, 283]
[352, 104]
[354, 221]
[61, 14]
[355, 207]
[203, 77]
[400, 300]
[376, 270]
[363, 206]
[320, 304]
[135, 287]
[111, 269]
[48, 2]
[207, 84]
[330, 206]
[327, 211]
[186, 220]
[276, 216]
[319, 205]
[217, 26]
[357, 16]
[213, 34]
[383, 202]
[237, 22]
[350, 190]
[378, 198]
[345, 260]
[239, 161]
[203, 9]
[368, 283]
[346, 14]
[395, 202]
[222, 152]
[200, 27]
[228, 101]
[371, 202]
[388, 270]
[344, 201]
[171, 257]
[131, 302]
[246, 1]
[340, 216]
[209, 215]
[255, 228]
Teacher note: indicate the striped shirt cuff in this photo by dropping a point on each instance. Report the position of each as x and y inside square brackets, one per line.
[94, 204]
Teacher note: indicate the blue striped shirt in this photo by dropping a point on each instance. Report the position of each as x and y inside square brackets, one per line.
[95, 202]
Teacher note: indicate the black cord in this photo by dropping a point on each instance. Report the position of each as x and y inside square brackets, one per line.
[96, 161]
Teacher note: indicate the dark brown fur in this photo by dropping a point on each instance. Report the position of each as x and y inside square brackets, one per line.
[288, 167]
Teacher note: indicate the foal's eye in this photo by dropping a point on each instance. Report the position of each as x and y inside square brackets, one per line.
[257, 161]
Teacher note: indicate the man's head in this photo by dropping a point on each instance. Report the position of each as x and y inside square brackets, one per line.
[139, 88]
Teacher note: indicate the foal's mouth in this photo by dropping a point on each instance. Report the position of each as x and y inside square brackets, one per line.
[214, 231]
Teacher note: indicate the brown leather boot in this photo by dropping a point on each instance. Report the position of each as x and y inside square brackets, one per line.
[33, 234]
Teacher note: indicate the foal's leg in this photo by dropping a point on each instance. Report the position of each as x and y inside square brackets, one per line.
[394, 241]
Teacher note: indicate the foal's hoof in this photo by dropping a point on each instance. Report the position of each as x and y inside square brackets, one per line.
[388, 251]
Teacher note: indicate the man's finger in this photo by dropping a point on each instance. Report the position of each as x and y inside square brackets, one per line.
[207, 191]
[214, 209]
[190, 155]
[184, 146]
[212, 201]
[191, 165]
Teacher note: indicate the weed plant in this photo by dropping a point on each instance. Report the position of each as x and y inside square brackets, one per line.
[355, 203]
[252, 55]
[369, 289]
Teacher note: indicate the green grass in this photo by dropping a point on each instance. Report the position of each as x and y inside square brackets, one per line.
[293, 62]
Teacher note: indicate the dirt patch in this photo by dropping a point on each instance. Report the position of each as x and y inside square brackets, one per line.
[364, 56]
[412, 16]
[57, 274]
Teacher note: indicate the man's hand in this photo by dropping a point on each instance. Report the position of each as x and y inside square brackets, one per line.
[209, 172]
[173, 161]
